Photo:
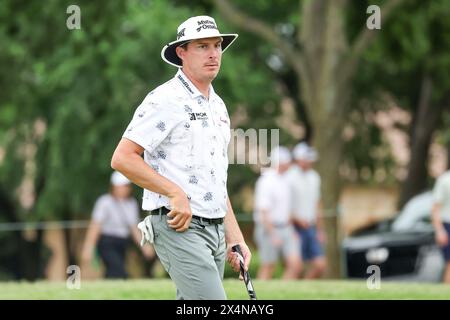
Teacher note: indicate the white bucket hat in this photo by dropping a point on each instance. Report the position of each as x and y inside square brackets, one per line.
[199, 27]
[118, 179]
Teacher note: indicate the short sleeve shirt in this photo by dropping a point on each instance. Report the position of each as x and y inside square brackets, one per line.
[185, 137]
[116, 217]
[441, 195]
[273, 194]
[306, 193]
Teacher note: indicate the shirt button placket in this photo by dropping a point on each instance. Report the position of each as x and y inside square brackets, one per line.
[211, 114]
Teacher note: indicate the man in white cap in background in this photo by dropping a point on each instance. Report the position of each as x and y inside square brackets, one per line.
[274, 232]
[114, 221]
[307, 209]
[183, 129]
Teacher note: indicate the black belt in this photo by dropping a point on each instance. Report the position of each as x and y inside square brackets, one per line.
[164, 211]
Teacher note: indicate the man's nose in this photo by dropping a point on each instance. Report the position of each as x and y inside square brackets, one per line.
[214, 53]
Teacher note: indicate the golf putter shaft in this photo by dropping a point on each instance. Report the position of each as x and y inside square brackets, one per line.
[245, 274]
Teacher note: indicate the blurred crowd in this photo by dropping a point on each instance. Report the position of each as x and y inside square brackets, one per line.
[288, 220]
[288, 215]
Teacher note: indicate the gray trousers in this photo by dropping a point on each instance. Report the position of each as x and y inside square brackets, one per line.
[194, 259]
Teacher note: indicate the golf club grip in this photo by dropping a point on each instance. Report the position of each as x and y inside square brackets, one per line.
[245, 274]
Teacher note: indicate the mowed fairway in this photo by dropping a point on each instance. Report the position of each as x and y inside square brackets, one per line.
[265, 290]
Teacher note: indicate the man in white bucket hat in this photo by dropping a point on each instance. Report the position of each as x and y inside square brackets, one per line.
[183, 129]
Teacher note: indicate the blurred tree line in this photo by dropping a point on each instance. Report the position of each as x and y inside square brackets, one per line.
[67, 95]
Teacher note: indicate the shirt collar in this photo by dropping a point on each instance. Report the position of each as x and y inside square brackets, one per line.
[190, 87]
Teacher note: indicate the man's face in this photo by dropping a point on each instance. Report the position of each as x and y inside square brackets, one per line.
[304, 164]
[122, 192]
[201, 58]
[283, 167]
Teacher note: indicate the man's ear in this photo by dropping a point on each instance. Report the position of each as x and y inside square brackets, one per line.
[180, 52]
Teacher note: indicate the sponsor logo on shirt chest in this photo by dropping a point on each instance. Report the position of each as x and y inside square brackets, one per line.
[198, 116]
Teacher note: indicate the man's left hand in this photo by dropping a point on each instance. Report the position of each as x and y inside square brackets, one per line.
[233, 259]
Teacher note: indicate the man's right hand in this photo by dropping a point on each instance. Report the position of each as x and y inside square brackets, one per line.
[181, 213]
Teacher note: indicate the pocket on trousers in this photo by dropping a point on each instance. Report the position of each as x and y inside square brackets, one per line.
[196, 225]
[158, 243]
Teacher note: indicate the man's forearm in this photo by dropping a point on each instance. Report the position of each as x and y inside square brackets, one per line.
[436, 218]
[233, 233]
[92, 235]
[140, 173]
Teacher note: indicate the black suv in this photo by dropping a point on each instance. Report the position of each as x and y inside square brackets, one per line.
[404, 247]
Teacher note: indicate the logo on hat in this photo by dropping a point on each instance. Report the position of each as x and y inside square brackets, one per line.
[181, 33]
[206, 24]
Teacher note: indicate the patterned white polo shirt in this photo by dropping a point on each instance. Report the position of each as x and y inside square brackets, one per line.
[185, 137]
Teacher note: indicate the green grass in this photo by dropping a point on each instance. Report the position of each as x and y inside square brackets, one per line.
[265, 290]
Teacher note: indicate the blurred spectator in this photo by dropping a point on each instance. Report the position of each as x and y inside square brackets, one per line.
[274, 233]
[305, 183]
[441, 218]
[114, 219]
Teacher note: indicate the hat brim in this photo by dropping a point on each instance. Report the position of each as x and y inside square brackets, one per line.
[169, 54]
